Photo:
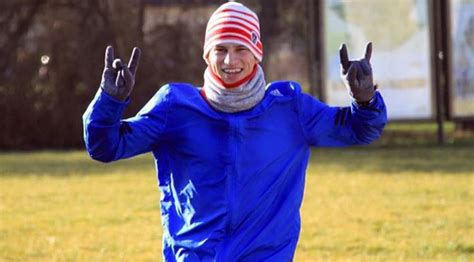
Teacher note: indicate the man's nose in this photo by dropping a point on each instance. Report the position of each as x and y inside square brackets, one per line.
[229, 58]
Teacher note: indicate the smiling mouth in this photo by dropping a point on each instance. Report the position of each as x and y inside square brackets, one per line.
[232, 70]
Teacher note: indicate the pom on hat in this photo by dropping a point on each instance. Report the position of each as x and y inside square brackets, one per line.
[234, 23]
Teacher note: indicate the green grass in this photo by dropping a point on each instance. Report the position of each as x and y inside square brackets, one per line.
[64, 207]
[403, 203]
[396, 205]
[423, 133]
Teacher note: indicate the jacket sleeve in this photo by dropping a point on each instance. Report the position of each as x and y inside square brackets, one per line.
[108, 138]
[328, 126]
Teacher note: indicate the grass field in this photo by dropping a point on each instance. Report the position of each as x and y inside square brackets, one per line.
[402, 203]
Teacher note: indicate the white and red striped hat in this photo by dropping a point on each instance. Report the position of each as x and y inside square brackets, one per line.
[234, 23]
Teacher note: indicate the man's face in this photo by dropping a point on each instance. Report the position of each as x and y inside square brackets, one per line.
[231, 62]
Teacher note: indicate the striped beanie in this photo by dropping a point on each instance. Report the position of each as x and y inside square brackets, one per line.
[234, 23]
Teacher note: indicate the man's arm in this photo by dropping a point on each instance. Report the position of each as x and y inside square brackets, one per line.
[107, 137]
[342, 126]
[361, 123]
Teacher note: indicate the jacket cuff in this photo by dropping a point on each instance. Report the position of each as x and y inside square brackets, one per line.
[374, 104]
[107, 108]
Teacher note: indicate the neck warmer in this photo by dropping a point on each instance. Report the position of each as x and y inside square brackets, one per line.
[234, 98]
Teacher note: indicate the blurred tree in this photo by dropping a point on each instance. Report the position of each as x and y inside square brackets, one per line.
[51, 60]
[16, 67]
[284, 31]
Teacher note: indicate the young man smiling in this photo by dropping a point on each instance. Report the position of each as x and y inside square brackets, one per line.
[232, 63]
[230, 156]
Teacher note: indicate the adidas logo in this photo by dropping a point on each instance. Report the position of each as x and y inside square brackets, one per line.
[276, 92]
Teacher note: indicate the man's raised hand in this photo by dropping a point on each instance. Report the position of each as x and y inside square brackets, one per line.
[357, 74]
[118, 79]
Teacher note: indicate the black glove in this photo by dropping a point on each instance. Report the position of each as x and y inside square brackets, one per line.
[118, 79]
[357, 75]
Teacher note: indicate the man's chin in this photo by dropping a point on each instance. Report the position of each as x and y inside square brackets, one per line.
[231, 80]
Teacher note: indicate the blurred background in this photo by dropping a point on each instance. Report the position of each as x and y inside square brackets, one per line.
[51, 56]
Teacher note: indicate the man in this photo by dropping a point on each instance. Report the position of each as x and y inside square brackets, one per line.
[230, 156]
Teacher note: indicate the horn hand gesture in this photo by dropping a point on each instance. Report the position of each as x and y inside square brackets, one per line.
[118, 79]
[357, 75]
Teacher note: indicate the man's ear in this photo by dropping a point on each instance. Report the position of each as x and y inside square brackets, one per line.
[256, 61]
[206, 59]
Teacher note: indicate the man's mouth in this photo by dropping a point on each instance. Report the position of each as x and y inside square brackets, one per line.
[232, 70]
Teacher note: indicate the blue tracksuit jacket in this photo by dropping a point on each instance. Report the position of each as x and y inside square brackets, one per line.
[231, 183]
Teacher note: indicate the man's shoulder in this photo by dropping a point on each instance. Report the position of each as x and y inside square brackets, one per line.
[178, 90]
[173, 92]
[283, 89]
[175, 87]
